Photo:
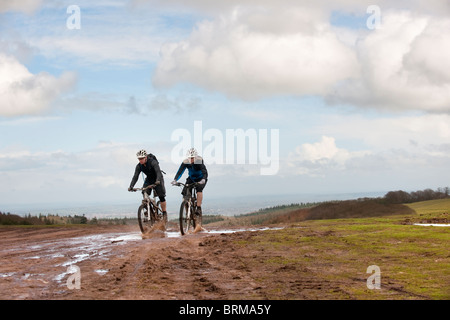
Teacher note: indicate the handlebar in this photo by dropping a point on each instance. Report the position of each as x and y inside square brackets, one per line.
[143, 189]
[180, 184]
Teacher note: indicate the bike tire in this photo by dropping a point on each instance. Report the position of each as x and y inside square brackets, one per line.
[145, 225]
[185, 218]
[164, 215]
[153, 217]
[141, 216]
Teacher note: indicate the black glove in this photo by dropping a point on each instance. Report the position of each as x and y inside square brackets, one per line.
[130, 189]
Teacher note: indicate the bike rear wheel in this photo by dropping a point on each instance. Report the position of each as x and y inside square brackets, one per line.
[163, 215]
[186, 218]
[145, 218]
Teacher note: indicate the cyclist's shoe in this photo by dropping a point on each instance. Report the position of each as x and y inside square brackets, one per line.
[198, 220]
[198, 228]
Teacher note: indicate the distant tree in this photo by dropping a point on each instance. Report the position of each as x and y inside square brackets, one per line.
[415, 196]
[397, 197]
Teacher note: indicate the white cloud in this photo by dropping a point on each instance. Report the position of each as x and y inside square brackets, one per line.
[324, 150]
[405, 65]
[436, 7]
[252, 52]
[248, 55]
[403, 145]
[65, 176]
[429, 54]
[111, 34]
[320, 157]
[22, 92]
[409, 132]
[26, 6]
[105, 48]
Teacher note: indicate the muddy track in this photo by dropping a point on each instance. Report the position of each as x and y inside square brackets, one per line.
[116, 263]
[196, 267]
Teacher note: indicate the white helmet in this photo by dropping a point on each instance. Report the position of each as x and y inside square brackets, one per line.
[141, 153]
[192, 153]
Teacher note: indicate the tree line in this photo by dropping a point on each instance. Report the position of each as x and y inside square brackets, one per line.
[401, 196]
[7, 218]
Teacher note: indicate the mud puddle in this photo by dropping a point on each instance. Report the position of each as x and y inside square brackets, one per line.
[176, 234]
[45, 263]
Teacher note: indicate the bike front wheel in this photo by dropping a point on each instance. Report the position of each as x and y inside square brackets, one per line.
[145, 218]
[186, 218]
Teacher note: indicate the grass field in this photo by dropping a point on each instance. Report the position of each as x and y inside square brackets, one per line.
[434, 209]
[414, 260]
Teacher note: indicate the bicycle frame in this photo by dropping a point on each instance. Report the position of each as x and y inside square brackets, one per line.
[191, 193]
[153, 212]
[190, 201]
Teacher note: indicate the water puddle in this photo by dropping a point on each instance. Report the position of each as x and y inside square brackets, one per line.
[432, 224]
[101, 271]
[7, 274]
[176, 234]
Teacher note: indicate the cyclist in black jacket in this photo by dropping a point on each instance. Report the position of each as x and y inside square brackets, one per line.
[149, 165]
[197, 173]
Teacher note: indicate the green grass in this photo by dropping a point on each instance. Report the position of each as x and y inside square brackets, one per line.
[431, 207]
[414, 260]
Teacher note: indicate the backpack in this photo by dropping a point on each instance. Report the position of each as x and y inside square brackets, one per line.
[151, 157]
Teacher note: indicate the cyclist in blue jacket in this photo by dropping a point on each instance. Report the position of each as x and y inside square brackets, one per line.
[197, 173]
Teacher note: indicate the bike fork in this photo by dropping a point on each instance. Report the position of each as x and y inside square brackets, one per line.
[148, 213]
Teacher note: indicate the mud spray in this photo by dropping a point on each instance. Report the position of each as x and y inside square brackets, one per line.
[155, 231]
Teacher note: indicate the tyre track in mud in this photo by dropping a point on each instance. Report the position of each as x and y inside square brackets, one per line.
[180, 268]
[194, 267]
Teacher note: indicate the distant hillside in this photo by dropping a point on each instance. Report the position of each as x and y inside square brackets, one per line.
[363, 208]
[431, 206]
[356, 209]
[343, 209]
[431, 211]
[393, 203]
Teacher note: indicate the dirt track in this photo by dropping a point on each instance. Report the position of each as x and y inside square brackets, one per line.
[115, 263]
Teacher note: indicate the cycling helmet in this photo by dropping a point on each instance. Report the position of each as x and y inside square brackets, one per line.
[141, 153]
[192, 153]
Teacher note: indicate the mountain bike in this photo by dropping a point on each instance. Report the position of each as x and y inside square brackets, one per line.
[188, 208]
[149, 211]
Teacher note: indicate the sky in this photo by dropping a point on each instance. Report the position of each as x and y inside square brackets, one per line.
[279, 97]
